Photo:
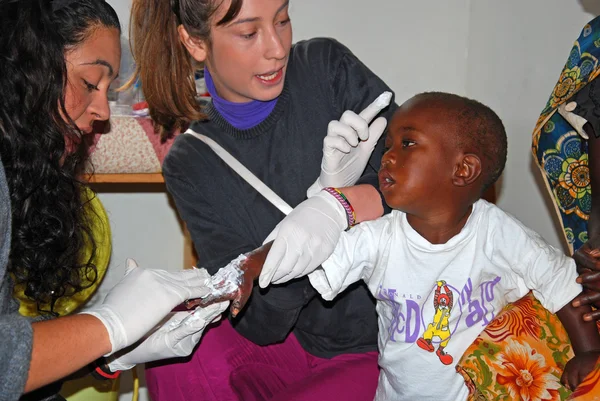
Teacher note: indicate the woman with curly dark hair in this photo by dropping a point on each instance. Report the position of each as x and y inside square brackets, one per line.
[57, 61]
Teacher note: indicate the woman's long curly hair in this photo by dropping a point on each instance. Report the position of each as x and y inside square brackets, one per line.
[41, 147]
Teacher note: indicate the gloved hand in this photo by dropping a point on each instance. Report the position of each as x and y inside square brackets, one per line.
[349, 144]
[175, 338]
[143, 298]
[304, 239]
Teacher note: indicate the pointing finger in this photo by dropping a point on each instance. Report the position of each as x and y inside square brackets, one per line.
[374, 108]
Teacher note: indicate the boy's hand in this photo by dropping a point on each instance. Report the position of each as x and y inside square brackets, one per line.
[578, 368]
[251, 268]
[587, 259]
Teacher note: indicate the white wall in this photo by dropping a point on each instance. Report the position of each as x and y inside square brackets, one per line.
[507, 54]
[409, 45]
[122, 8]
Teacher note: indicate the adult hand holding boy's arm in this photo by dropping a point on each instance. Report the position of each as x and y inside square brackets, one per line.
[142, 299]
[172, 339]
[585, 341]
[131, 308]
[304, 239]
[310, 233]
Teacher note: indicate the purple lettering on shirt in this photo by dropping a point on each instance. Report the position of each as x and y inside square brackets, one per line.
[478, 308]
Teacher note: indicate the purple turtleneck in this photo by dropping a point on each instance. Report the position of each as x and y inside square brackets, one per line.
[240, 115]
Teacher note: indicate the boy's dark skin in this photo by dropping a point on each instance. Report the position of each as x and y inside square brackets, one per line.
[427, 175]
[440, 183]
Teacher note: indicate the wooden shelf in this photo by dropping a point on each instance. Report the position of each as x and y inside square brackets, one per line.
[134, 178]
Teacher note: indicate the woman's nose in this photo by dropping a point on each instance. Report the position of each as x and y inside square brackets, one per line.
[99, 107]
[275, 48]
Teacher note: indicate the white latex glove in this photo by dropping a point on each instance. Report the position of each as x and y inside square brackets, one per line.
[177, 337]
[349, 144]
[304, 239]
[143, 298]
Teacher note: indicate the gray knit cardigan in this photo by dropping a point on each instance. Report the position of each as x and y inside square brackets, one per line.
[15, 330]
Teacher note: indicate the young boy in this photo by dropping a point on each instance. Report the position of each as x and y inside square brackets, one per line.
[444, 262]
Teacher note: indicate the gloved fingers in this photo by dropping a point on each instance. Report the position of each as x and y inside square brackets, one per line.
[272, 262]
[202, 272]
[376, 129]
[222, 307]
[374, 108]
[215, 314]
[170, 320]
[194, 322]
[187, 329]
[213, 311]
[273, 234]
[196, 338]
[357, 123]
[344, 130]
[301, 268]
[337, 143]
[191, 277]
[193, 282]
[130, 265]
[174, 319]
[287, 267]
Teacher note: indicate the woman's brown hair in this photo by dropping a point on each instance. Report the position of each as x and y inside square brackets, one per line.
[163, 64]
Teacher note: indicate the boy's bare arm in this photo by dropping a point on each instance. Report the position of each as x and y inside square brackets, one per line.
[585, 341]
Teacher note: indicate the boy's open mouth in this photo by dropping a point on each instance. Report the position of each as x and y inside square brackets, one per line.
[385, 179]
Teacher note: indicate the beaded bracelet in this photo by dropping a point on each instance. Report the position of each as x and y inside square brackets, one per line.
[102, 372]
[350, 214]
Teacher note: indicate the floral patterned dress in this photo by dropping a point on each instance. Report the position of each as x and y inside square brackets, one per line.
[559, 150]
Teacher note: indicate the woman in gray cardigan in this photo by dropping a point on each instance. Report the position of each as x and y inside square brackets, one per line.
[57, 60]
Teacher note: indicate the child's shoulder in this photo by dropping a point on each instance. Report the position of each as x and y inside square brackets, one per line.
[501, 224]
[385, 222]
[491, 211]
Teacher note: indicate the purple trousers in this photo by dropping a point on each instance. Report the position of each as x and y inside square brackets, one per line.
[228, 367]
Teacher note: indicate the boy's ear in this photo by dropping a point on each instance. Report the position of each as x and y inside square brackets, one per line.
[467, 171]
[197, 48]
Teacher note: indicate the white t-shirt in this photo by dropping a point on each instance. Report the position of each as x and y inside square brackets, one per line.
[442, 294]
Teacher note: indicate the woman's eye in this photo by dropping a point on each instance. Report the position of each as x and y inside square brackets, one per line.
[248, 35]
[90, 87]
[284, 22]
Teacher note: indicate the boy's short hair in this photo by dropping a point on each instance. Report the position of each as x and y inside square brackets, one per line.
[478, 130]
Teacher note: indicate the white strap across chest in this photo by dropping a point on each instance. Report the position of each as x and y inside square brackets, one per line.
[246, 174]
